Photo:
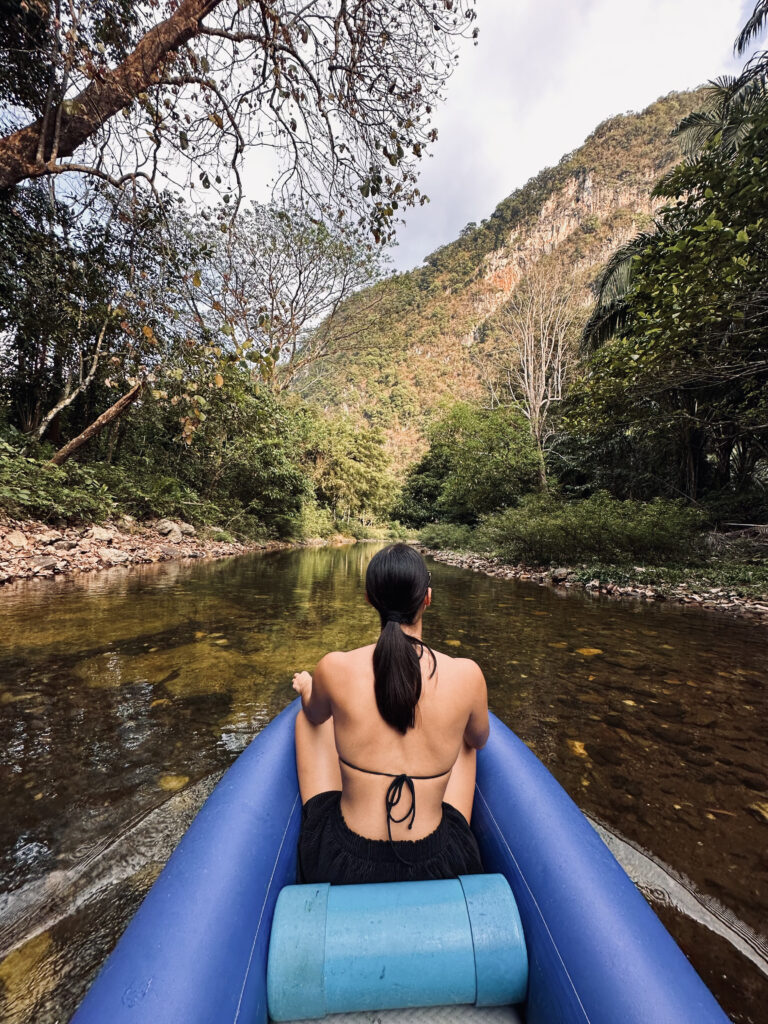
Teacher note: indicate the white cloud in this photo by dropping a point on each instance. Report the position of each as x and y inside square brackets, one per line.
[542, 77]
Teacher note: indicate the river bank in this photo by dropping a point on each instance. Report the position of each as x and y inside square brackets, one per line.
[640, 583]
[33, 550]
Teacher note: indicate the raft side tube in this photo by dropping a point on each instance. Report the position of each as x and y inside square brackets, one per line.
[196, 950]
[597, 951]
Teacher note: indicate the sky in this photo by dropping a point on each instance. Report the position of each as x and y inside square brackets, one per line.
[544, 74]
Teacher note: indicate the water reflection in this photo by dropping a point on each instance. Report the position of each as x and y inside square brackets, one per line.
[123, 694]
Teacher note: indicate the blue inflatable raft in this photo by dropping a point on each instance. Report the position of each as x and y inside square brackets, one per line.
[196, 951]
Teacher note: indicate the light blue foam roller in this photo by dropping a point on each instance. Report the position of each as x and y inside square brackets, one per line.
[339, 949]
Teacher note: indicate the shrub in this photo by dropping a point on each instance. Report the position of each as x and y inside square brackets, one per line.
[545, 529]
[446, 536]
[35, 488]
[312, 521]
[396, 531]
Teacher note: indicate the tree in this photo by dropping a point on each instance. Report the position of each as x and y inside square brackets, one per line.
[531, 372]
[180, 89]
[478, 461]
[688, 353]
[88, 306]
[350, 468]
[274, 285]
[731, 102]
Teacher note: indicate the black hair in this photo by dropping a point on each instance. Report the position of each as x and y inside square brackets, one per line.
[396, 583]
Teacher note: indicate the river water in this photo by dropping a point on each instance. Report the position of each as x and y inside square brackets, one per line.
[124, 695]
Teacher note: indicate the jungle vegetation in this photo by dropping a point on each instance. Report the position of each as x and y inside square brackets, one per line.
[255, 367]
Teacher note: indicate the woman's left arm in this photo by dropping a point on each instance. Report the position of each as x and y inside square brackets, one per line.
[314, 694]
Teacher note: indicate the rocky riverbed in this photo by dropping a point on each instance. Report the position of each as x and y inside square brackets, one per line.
[30, 549]
[714, 598]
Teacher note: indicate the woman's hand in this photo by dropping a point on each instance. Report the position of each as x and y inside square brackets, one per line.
[302, 684]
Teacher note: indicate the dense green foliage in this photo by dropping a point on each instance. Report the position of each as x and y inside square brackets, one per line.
[31, 488]
[543, 529]
[260, 465]
[680, 389]
[478, 461]
[211, 328]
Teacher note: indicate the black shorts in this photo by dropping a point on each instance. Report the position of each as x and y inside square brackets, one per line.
[329, 851]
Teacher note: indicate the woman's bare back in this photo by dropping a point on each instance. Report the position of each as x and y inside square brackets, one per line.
[451, 715]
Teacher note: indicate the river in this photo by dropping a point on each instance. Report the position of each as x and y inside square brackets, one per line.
[124, 695]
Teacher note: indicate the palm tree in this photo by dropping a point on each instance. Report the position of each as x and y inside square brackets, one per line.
[753, 28]
[733, 101]
[731, 104]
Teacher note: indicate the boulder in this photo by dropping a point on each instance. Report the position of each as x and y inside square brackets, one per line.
[113, 556]
[45, 561]
[174, 535]
[560, 575]
[49, 537]
[187, 529]
[16, 539]
[165, 526]
[64, 545]
[100, 534]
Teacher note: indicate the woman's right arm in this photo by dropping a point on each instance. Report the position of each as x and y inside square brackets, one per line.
[314, 695]
[478, 726]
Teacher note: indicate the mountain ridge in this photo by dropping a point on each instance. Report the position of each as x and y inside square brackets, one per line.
[418, 327]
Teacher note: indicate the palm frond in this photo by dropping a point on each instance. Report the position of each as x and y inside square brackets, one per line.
[753, 28]
[611, 309]
[698, 130]
[605, 323]
[730, 105]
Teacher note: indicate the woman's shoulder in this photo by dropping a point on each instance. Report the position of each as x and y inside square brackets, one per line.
[338, 660]
[465, 668]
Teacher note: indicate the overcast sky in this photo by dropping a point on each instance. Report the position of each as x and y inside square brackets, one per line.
[544, 74]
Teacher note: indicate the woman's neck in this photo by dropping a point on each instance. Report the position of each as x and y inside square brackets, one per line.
[414, 629]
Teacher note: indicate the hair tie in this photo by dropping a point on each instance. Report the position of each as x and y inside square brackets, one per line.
[394, 617]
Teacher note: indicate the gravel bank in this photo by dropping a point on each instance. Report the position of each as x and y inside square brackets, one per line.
[33, 550]
[715, 598]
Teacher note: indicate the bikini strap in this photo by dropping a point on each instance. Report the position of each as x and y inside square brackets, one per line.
[393, 795]
[392, 775]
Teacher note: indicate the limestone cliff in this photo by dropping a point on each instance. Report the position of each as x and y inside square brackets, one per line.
[414, 341]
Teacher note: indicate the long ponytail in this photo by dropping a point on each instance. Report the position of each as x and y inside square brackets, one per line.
[396, 583]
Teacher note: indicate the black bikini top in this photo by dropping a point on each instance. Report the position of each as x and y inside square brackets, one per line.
[394, 792]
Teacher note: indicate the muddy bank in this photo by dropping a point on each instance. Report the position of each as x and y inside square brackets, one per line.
[714, 598]
[34, 550]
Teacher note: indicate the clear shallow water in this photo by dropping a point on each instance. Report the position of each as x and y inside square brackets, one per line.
[124, 695]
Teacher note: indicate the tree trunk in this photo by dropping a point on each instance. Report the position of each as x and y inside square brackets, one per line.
[85, 113]
[542, 471]
[98, 425]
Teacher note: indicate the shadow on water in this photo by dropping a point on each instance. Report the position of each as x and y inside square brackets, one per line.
[124, 695]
